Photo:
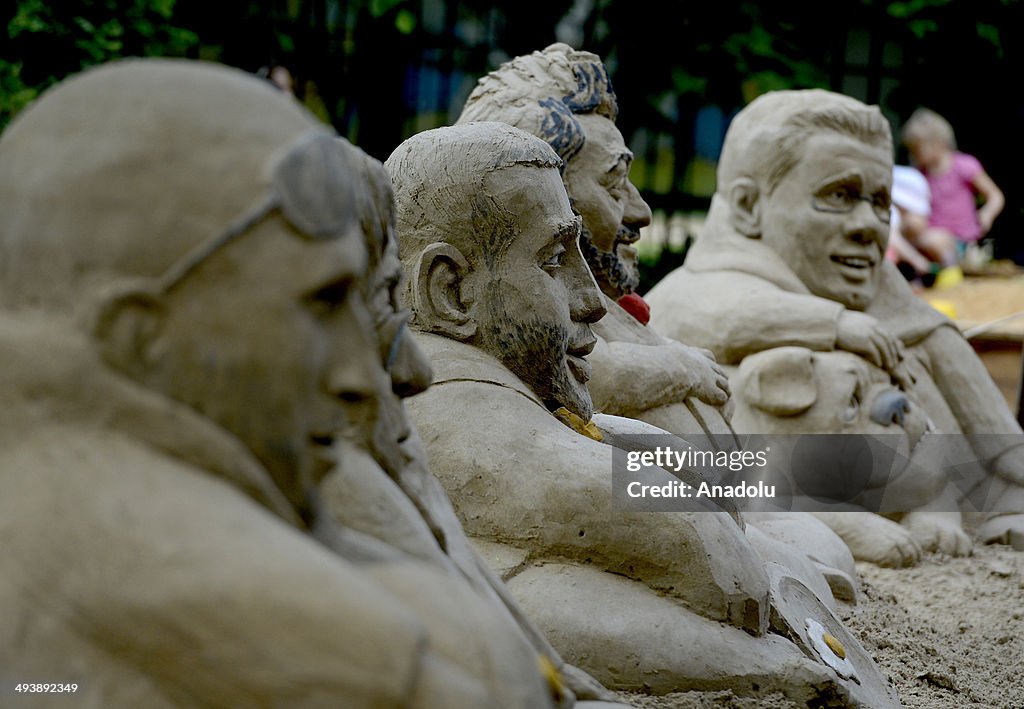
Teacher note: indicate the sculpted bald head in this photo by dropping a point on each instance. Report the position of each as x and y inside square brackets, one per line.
[489, 246]
[206, 228]
[120, 170]
[444, 188]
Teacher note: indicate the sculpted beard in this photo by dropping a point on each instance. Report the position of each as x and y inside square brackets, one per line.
[615, 277]
[534, 350]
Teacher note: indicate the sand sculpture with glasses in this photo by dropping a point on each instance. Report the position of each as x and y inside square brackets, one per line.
[792, 255]
[184, 347]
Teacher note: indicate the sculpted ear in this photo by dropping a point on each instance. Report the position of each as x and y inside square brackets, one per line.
[439, 298]
[780, 381]
[745, 207]
[126, 325]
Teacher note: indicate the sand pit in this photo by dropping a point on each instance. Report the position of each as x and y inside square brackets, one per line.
[948, 633]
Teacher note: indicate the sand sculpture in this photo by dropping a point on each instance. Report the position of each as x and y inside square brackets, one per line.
[503, 302]
[565, 97]
[791, 390]
[393, 497]
[185, 355]
[791, 254]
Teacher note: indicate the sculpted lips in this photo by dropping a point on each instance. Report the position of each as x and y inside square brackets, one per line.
[579, 366]
[855, 266]
[627, 236]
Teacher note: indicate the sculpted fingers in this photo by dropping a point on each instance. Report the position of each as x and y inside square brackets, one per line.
[938, 532]
[717, 392]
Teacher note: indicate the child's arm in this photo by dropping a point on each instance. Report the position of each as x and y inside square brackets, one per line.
[994, 200]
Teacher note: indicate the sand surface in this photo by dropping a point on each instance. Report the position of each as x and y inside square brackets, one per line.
[948, 633]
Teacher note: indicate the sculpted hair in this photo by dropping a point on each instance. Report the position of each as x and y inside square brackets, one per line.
[925, 124]
[541, 93]
[766, 139]
[441, 193]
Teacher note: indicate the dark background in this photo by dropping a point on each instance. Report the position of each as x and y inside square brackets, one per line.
[381, 70]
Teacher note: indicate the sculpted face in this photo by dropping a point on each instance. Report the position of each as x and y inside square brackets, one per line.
[828, 217]
[613, 211]
[269, 337]
[538, 297]
[408, 368]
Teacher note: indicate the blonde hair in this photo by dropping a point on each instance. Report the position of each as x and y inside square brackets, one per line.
[925, 124]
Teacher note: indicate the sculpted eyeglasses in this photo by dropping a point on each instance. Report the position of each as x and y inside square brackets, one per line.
[843, 200]
[310, 181]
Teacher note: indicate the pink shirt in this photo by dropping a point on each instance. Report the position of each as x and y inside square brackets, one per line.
[953, 204]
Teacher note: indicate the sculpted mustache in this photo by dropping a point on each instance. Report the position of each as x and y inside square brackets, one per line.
[626, 235]
[607, 266]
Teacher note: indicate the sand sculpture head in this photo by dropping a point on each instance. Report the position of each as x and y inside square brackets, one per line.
[565, 97]
[809, 173]
[489, 244]
[203, 229]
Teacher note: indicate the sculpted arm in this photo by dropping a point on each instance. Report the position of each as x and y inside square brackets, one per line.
[627, 372]
[976, 402]
[734, 315]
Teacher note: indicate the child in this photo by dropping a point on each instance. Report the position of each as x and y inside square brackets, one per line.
[954, 178]
[911, 207]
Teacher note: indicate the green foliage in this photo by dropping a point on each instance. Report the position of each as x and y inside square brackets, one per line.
[46, 41]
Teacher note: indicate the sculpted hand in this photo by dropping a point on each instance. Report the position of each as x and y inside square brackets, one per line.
[865, 336]
[876, 539]
[938, 531]
[708, 381]
[1005, 529]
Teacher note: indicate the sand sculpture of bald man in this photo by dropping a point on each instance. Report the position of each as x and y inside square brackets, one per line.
[792, 254]
[184, 343]
[393, 497]
[503, 302]
[564, 96]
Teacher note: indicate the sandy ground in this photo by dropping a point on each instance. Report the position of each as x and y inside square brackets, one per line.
[948, 633]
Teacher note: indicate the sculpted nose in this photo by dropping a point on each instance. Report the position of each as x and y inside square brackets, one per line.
[891, 407]
[355, 373]
[865, 226]
[638, 212]
[585, 304]
[409, 367]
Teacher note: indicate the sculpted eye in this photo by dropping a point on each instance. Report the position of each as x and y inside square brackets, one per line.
[554, 261]
[840, 195]
[330, 296]
[852, 410]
